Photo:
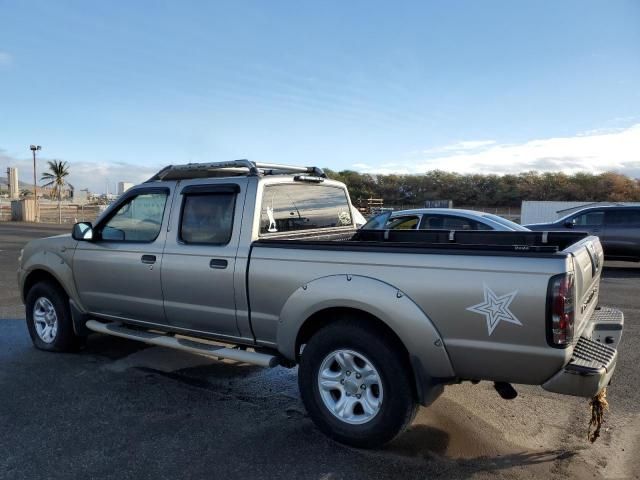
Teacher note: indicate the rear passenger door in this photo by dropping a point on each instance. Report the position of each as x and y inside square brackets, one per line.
[622, 232]
[200, 256]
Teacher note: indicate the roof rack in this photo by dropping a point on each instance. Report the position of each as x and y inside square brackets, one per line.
[231, 168]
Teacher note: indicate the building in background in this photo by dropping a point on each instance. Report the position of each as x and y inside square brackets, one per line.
[12, 179]
[123, 187]
[81, 196]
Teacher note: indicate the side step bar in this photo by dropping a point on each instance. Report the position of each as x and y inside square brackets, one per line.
[185, 344]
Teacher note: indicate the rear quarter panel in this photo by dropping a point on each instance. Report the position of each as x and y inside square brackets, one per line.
[510, 346]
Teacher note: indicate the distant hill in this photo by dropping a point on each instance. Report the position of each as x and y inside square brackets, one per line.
[4, 184]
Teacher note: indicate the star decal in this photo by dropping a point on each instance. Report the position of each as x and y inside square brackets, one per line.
[495, 309]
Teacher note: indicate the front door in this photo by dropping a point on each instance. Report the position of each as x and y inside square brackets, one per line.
[198, 267]
[117, 274]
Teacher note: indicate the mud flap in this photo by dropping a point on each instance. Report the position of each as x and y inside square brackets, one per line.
[79, 320]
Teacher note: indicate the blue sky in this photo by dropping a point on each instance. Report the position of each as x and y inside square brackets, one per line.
[119, 89]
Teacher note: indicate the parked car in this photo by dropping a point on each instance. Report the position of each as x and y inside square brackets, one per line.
[618, 228]
[262, 263]
[442, 219]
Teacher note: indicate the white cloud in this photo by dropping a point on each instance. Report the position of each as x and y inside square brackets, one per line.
[5, 59]
[458, 147]
[595, 151]
[464, 146]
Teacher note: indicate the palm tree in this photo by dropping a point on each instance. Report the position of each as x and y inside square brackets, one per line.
[56, 179]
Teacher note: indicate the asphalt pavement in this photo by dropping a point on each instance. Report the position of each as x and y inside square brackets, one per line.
[120, 409]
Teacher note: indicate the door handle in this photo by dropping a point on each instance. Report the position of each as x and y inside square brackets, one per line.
[148, 259]
[218, 263]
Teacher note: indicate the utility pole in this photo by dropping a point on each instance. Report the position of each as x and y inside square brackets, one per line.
[34, 148]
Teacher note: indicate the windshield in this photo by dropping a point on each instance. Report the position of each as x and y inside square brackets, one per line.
[505, 222]
[378, 222]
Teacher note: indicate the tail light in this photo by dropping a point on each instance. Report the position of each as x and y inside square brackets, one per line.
[561, 310]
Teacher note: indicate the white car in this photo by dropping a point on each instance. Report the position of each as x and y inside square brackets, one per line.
[441, 219]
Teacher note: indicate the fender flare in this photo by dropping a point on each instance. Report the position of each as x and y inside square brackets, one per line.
[55, 265]
[377, 298]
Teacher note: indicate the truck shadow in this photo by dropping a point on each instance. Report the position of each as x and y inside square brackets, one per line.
[433, 444]
[521, 459]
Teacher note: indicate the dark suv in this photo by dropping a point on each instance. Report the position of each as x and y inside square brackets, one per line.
[618, 228]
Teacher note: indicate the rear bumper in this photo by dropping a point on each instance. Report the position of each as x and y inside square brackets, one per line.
[593, 361]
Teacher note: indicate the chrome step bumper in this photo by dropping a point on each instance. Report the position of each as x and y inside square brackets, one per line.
[592, 363]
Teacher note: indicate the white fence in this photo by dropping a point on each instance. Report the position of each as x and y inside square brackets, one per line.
[48, 212]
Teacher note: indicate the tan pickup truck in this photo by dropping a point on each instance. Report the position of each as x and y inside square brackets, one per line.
[262, 263]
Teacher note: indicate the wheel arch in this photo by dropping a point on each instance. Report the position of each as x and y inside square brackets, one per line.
[329, 315]
[381, 305]
[40, 275]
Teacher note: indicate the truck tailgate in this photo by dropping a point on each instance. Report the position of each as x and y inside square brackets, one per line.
[588, 259]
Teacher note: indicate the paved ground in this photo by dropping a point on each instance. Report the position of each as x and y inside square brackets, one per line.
[123, 410]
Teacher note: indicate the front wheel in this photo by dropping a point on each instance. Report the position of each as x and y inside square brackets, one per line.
[49, 319]
[356, 384]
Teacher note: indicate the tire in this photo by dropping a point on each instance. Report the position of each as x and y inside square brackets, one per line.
[49, 319]
[393, 401]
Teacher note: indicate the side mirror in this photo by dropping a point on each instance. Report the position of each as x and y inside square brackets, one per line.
[569, 224]
[82, 231]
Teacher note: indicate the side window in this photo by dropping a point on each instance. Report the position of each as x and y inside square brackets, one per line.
[479, 225]
[457, 223]
[137, 220]
[622, 217]
[207, 218]
[403, 223]
[589, 218]
[432, 222]
[289, 207]
[448, 222]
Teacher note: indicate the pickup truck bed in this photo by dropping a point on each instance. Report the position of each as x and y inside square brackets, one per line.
[499, 263]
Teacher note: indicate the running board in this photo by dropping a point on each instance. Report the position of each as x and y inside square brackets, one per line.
[185, 344]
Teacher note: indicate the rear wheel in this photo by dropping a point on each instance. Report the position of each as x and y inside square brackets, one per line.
[356, 384]
[49, 319]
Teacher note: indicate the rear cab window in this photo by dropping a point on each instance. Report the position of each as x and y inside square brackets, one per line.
[302, 206]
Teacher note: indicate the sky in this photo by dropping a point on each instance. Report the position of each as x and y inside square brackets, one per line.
[120, 89]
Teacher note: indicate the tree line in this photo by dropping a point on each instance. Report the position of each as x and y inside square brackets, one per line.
[488, 190]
